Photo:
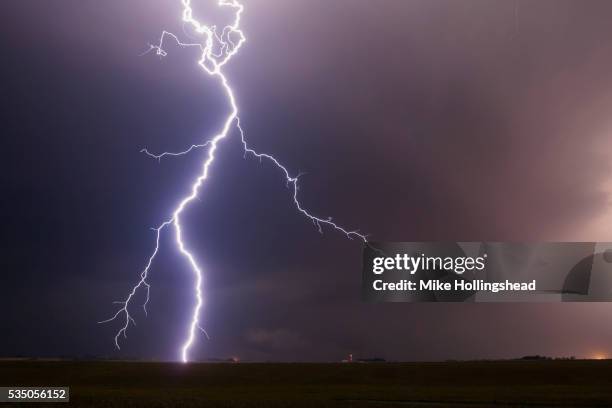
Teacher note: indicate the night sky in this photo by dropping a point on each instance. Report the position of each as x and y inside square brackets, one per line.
[412, 120]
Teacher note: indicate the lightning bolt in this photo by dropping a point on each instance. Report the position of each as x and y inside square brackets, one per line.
[217, 48]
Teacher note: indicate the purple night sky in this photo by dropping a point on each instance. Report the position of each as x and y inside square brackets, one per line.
[412, 120]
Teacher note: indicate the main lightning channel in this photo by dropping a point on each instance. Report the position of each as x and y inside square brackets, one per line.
[217, 49]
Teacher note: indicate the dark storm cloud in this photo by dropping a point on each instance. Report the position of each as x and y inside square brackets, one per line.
[475, 107]
[419, 120]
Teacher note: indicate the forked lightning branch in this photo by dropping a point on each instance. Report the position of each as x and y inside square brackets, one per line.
[218, 47]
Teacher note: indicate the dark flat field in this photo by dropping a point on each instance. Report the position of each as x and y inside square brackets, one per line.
[453, 384]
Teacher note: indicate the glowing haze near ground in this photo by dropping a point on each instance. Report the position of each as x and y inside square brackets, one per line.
[217, 48]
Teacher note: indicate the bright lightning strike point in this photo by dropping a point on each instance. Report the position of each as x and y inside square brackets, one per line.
[217, 48]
